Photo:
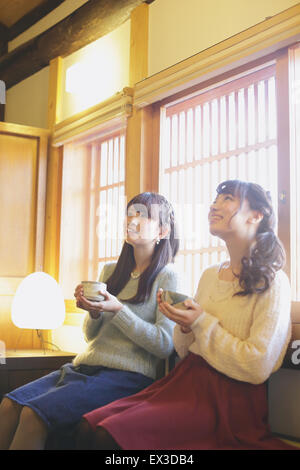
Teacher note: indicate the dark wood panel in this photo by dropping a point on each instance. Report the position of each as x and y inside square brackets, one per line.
[20, 368]
[28, 363]
[12, 10]
[32, 17]
[292, 357]
[17, 378]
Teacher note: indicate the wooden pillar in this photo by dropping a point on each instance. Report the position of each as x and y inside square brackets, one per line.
[143, 126]
[54, 178]
[283, 138]
[54, 94]
[54, 175]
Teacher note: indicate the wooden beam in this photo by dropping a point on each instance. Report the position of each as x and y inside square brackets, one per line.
[93, 20]
[32, 17]
[3, 32]
[3, 39]
[3, 48]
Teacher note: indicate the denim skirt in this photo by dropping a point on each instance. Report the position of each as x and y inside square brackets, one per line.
[63, 396]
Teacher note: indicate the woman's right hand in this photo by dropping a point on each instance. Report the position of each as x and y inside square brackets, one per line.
[184, 329]
[78, 294]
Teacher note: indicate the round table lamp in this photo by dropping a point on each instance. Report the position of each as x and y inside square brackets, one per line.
[38, 303]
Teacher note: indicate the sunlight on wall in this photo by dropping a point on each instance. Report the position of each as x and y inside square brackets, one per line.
[96, 72]
[178, 29]
[70, 338]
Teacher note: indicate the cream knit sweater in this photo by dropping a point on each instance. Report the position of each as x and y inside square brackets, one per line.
[245, 338]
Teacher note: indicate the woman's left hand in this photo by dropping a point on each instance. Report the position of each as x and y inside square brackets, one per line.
[109, 304]
[184, 318]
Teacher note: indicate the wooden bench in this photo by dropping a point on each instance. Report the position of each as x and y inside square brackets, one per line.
[292, 357]
[284, 387]
[65, 441]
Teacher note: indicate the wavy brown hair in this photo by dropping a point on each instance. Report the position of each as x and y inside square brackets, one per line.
[267, 255]
[155, 206]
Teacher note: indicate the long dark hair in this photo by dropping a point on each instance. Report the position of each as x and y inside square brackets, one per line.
[267, 255]
[157, 207]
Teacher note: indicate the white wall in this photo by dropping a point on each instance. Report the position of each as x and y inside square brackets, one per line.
[179, 29]
[27, 102]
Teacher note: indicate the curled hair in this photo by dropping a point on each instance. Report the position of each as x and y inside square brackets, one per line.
[267, 255]
[157, 207]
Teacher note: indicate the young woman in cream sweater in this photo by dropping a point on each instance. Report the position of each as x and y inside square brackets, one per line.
[230, 339]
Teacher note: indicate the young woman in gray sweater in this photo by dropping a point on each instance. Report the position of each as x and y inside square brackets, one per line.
[126, 334]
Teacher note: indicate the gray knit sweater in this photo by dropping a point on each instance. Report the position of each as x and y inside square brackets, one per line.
[138, 336]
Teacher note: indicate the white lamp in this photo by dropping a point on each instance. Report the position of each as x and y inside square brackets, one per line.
[38, 303]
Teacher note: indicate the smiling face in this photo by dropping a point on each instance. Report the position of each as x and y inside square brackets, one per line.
[139, 228]
[229, 218]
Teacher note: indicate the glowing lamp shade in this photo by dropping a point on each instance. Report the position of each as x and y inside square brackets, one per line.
[38, 303]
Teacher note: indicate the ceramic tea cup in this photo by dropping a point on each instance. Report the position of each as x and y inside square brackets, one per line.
[91, 290]
[175, 299]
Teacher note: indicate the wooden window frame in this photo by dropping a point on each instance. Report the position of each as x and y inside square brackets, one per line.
[281, 60]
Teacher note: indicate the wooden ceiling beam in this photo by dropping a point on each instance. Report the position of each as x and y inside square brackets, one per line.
[3, 40]
[3, 32]
[32, 17]
[93, 20]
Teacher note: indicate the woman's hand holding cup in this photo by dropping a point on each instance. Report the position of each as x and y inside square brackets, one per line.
[94, 298]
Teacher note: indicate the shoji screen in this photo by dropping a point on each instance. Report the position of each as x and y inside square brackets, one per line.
[110, 199]
[93, 208]
[223, 133]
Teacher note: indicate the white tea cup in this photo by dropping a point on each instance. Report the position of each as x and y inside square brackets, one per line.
[91, 290]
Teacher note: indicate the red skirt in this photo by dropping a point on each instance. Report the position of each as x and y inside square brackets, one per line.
[193, 407]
